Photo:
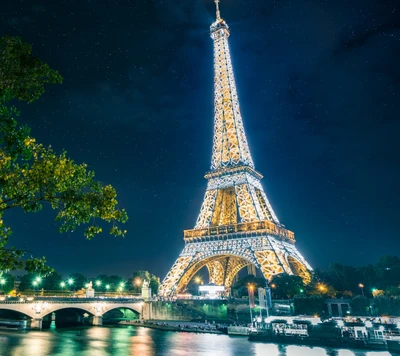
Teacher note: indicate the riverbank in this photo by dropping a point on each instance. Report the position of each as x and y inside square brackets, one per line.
[190, 327]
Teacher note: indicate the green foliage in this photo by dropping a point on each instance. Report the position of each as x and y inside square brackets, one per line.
[138, 277]
[32, 175]
[286, 286]
[8, 284]
[154, 284]
[360, 306]
[53, 282]
[313, 305]
[26, 282]
[240, 288]
[79, 281]
[343, 278]
[387, 306]
[22, 75]
[343, 281]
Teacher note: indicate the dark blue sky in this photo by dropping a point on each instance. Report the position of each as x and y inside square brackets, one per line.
[318, 83]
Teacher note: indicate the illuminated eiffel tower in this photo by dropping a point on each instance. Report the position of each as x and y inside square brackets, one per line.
[237, 226]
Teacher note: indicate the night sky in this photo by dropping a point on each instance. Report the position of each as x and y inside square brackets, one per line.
[319, 88]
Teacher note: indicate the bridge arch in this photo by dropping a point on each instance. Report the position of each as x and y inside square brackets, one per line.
[137, 308]
[37, 309]
[9, 313]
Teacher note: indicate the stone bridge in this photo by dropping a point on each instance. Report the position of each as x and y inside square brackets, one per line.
[39, 308]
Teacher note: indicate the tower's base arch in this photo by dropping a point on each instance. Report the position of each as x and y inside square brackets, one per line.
[225, 258]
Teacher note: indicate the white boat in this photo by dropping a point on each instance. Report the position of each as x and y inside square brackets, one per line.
[238, 330]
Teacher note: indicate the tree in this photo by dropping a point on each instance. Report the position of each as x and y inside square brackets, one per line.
[286, 286]
[344, 278]
[387, 306]
[26, 282]
[101, 282]
[6, 283]
[388, 271]
[360, 305]
[240, 288]
[154, 284]
[31, 174]
[78, 281]
[115, 283]
[52, 282]
[138, 277]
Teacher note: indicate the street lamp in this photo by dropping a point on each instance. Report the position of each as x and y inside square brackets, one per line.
[250, 290]
[98, 283]
[138, 282]
[362, 288]
[121, 287]
[35, 284]
[70, 283]
[107, 287]
[62, 285]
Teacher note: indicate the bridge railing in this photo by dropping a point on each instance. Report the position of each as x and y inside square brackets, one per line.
[71, 300]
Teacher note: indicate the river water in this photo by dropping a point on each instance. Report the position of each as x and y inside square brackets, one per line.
[132, 340]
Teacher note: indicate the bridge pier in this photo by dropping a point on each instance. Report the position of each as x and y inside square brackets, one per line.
[37, 323]
[96, 320]
[147, 311]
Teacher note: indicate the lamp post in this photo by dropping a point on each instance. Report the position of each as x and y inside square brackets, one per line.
[362, 288]
[138, 282]
[250, 290]
[70, 283]
[98, 284]
[35, 283]
[62, 285]
[2, 283]
[121, 287]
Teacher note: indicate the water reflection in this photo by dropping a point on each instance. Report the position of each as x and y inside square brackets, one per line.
[122, 341]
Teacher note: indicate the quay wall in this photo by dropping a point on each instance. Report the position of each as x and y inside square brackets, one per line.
[235, 311]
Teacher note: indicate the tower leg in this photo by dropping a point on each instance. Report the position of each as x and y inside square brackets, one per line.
[170, 282]
[217, 272]
[269, 263]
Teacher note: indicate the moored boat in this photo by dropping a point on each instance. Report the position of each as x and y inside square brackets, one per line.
[313, 332]
[238, 330]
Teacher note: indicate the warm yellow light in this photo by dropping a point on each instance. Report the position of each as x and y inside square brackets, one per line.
[273, 285]
[197, 280]
[138, 281]
[361, 285]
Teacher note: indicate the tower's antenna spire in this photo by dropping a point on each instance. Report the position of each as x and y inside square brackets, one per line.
[218, 13]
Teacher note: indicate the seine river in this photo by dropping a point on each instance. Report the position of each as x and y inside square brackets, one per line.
[130, 340]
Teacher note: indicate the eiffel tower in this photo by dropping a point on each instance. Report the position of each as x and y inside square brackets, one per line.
[237, 226]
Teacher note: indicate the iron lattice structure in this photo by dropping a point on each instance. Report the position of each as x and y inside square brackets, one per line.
[237, 226]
